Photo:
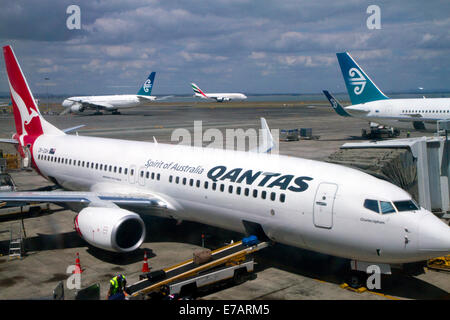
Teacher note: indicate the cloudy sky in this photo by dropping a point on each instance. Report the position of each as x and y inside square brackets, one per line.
[247, 46]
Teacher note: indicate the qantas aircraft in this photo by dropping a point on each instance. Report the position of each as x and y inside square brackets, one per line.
[219, 97]
[304, 203]
[112, 102]
[370, 103]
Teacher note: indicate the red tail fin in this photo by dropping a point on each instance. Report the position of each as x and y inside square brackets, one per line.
[28, 119]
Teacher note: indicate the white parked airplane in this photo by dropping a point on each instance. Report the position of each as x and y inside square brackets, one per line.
[304, 203]
[219, 97]
[112, 102]
[370, 103]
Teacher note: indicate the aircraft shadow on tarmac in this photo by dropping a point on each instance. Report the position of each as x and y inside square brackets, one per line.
[290, 259]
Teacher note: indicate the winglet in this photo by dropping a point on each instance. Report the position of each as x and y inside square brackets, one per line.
[336, 105]
[268, 142]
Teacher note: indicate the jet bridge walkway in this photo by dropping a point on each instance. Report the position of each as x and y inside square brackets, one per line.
[223, 261]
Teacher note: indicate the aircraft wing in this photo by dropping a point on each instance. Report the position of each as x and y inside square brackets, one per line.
[164, 98]
[68, 130]
[86, 198]
[11, 141]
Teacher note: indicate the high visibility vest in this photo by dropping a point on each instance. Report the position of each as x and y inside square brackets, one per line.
[115, 283]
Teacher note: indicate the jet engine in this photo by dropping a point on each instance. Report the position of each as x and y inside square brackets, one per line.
[111, 229]
[222, 99]
[77, 107]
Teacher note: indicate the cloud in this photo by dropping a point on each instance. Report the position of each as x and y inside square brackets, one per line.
[230, 45]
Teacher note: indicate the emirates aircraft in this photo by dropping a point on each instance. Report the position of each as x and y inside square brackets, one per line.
[308, 204]
[370, 103]
[112, 103]
[219, 97]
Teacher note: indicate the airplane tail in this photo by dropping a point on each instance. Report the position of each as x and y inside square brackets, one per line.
[197, 91]
[360, 87]
[336, 105]
[28, 120]
[146, 89]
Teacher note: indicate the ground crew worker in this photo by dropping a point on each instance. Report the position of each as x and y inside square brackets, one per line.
[117, 288]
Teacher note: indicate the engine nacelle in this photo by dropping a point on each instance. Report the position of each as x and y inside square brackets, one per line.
[77, 107]
[112, 229]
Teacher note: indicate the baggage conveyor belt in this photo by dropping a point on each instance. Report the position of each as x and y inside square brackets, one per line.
[235, 253]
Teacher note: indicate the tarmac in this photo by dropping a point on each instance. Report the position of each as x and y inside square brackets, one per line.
[282, 272]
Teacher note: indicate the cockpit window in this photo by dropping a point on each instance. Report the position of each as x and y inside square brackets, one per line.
[386, 207]
[406, 205]
[371, 205]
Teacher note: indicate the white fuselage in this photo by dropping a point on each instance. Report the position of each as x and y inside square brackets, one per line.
[404, 113]
[316, 205]
[112, 102]
[223, 96]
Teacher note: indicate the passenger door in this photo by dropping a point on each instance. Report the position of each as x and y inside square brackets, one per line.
[323, 205]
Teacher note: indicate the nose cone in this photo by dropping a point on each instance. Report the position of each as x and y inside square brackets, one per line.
[434, 236]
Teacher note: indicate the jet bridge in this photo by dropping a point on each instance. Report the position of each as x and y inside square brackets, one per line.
[421, 166]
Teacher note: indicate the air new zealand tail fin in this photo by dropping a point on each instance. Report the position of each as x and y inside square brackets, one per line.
[360, 87]
[336, 105]
[146, 89]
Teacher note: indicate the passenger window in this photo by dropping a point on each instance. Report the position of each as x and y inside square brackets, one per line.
[198, 184]
[282, 197]
[230, 189]
[255, 193]
[153, 176]
[264, 194]
[206, 184]
[132, 172]
[158, 176]
[177, 180]
[246, 192]
[115, 169]
[147, 175]
[238, 190]
[184, 181]
[372, 205]
[170, 179]
[222, 187]
[272, 196]
[191, 182]
[214, 186]
[386, 207]
[124, 171]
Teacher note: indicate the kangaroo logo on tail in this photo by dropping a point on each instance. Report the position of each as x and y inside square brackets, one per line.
[357, 80]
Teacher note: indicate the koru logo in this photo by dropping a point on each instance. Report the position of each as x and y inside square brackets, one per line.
[147, 85]
[333, 103]
[357, 80]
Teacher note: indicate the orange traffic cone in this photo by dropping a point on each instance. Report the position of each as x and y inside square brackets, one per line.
[145, 267]
[77, 265]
